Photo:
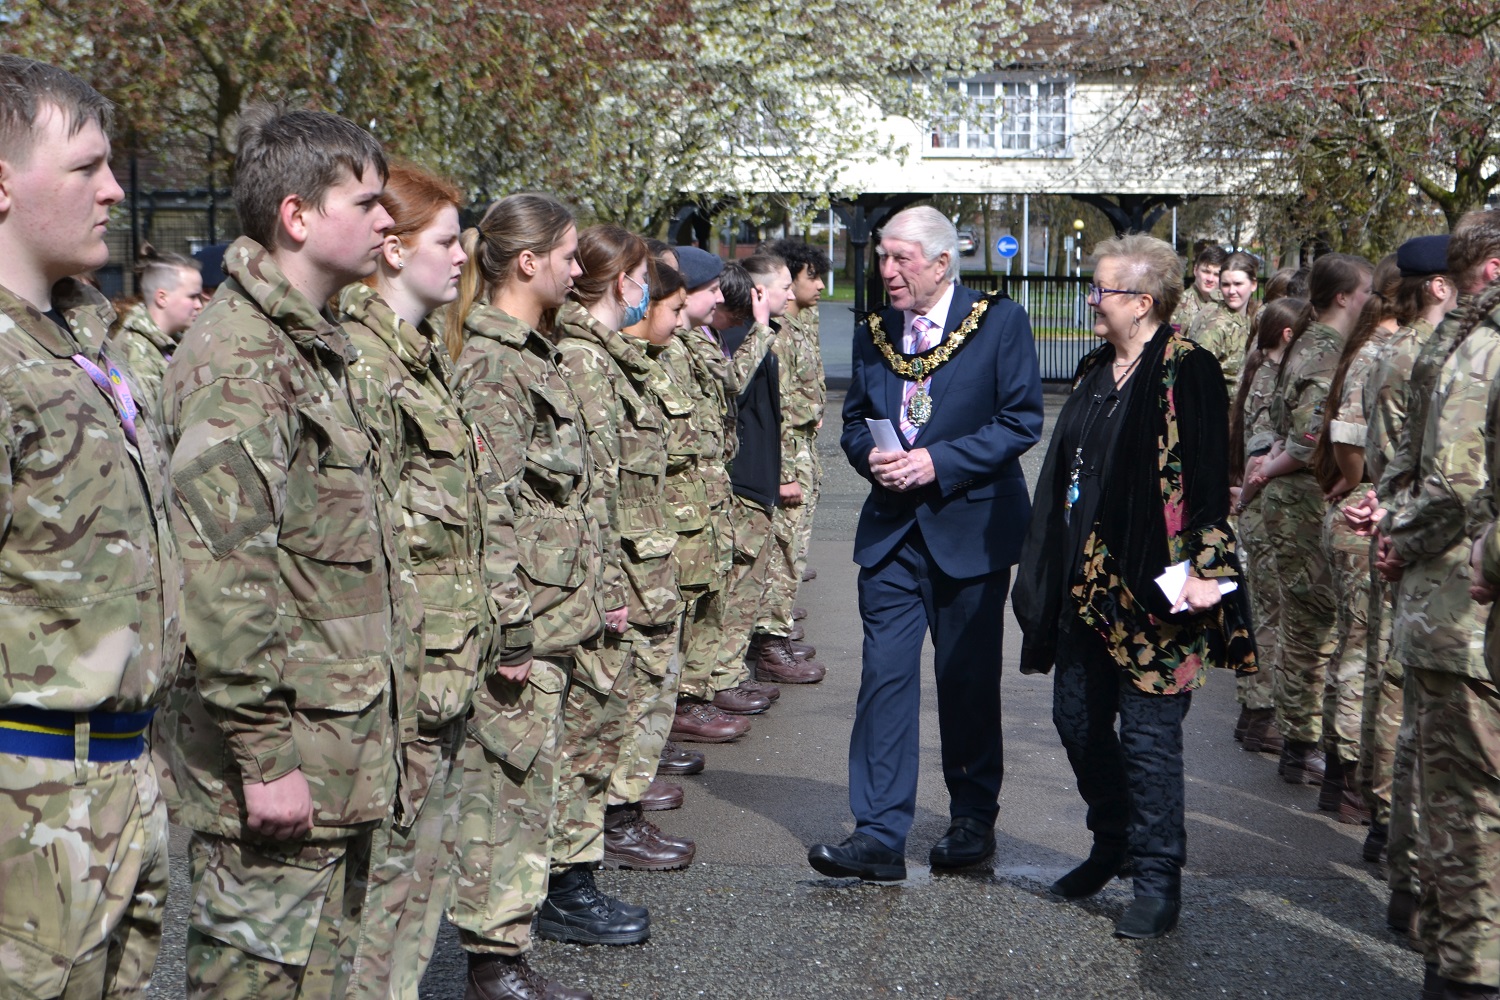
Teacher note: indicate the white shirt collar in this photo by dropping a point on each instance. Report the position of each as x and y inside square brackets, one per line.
[938, 313]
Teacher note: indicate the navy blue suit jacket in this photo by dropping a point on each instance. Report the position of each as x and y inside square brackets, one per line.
[986, 412]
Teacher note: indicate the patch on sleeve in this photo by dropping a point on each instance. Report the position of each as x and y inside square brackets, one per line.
[225, 496]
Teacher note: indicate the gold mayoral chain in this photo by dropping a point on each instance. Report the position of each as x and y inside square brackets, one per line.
[922, 366]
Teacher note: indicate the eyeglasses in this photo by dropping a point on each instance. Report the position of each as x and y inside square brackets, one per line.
[1096, 294]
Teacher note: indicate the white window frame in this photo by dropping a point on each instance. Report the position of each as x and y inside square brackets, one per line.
[1005, 118]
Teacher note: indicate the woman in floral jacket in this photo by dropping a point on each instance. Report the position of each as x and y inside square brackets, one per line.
[1136, 481]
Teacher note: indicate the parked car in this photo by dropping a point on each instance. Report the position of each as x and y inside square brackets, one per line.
[967, 243]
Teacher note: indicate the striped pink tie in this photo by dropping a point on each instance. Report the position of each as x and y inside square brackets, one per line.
[923, 337]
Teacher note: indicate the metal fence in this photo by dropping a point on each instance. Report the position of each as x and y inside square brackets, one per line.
[171, 221]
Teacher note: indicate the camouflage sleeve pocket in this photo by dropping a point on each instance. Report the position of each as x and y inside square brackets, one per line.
[342, 729]
[224, 489]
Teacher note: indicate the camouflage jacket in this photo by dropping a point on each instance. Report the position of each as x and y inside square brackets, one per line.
[429, 479]
[1259, 434]
[1437, 626]
[697, 484]
[1414, 397]
[1226, 335]
[1307, 368]
[1385, 395]
[804, 393]
[539, 471]
[618, 386]
[288, 561]
[146, 352]
[1191, 305]
[1354, 410]
[89, 572]
[1207, 311]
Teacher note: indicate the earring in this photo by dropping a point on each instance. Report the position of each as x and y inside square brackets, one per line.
[400, 264]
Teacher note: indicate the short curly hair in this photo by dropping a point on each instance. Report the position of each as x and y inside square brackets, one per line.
[1154, 268]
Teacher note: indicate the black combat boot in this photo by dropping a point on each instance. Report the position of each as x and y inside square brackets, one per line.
[575, 910]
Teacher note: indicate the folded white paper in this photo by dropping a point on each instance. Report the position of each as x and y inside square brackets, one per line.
[1173, 581]
[884, 433]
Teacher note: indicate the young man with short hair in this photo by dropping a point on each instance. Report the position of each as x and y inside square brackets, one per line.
[279, 753]
[90, 636]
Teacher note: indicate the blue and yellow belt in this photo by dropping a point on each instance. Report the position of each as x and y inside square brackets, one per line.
[40, 732]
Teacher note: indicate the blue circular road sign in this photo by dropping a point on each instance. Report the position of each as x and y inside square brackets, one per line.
[1007, 246]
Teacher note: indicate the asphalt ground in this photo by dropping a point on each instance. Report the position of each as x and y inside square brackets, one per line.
[1277, 902]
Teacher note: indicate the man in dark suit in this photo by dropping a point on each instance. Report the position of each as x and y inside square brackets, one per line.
[956, 374]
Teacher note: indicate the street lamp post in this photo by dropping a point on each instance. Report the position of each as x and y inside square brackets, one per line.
[1078, 246]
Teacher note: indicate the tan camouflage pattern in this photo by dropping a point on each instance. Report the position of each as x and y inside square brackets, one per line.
[652, 691]
[411, 874]
[1385, 388]
[1414, 399]
[1380, 717]
[89, 572]
[775, 615]
[83, 877]
[509, 790]
[288, 562]
[1406, 794]
[1258, 690]
[754, 548]
[594, 727]
[1458, 731]
[145, 350]
[1226, 335]
[1204, 315]
[429, 474]
[616, 382]
[274, 920]
[1348, 556]
[1293, 515]
[1191, 305]
[507, 381]
[1437, 626]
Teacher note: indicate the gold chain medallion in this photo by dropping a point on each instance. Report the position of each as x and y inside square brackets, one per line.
[922, 366]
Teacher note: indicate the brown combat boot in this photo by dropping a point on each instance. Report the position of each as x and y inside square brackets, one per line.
[661, 796]
[1301, 763]
[676, 760]
[798, 614]
[803, 650]
[1242, 723]
[701, 722]
[1261, 735]
[509, 977]
[775, 662]
[631, 842]
[771, 691]
[741, 701]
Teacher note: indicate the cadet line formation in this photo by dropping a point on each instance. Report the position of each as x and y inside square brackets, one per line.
[395, 574]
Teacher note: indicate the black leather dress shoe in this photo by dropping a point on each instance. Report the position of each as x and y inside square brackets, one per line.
[967, 842]
[1148, 917]
[860, 856]
[1093, 875]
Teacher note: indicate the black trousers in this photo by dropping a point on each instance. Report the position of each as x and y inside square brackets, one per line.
[1131, 779]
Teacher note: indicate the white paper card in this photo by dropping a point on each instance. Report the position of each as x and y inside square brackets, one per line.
[1173, 581]
[884, 433]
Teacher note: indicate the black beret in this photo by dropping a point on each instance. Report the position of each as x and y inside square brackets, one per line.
[698, 267]
[1422, 256]
[212, 259]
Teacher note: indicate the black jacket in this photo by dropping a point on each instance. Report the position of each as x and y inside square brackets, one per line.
[755, 472]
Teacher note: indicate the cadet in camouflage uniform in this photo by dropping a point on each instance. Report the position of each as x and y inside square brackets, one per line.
[90, 634]
[1340, 466]
[1257, 692]
[1226, 331]
[1203, 294]
[429, 484]
[539, 478]
[171, 289]
[699, 447]
[617, 384]
[1452, 688]
[1424, 296]
[1294, 510]
[278, 748]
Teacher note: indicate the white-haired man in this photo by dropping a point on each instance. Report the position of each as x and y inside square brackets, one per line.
[937, 536]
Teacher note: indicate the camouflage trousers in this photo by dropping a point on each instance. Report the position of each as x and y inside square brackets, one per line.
[83, 877]
[1294, 510]
[594, 725]
[1381, 721]
[411, 872]
[1406, 793]
[274, 918]
[811, 478]
[701, 635]
[754, 546]
[1258, 690]
[1348, 556]
[1458, 733]
[652, 693]
[781, 576]
[506, 801]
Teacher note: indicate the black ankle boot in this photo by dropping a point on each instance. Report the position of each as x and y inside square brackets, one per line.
[1094, 874]
[1375, 842]
[1148, 917]
[575, 910]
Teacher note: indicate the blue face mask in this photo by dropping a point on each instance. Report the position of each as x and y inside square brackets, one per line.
[634, 314]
